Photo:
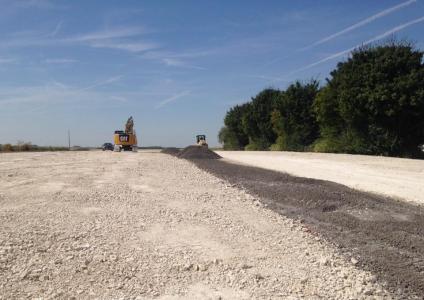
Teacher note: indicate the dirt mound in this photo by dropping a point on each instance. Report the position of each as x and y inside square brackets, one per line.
[171, 150]
[197, 152]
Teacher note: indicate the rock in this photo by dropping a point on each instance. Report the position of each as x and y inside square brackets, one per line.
[113, 257]
[372, 279]
[354, 261]
[324, 261]
[245, 266]
[304, 280]
[258, 277]
[99, 258]
[82, 246]
[23, 274]
[187, 267]
[368, 292]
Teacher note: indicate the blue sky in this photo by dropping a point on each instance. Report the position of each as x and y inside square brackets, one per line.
[175, 66]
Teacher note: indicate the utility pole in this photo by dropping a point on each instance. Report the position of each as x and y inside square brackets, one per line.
[69, 139]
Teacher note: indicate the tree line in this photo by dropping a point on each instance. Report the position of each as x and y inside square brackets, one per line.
[373, 103]
[29, 147]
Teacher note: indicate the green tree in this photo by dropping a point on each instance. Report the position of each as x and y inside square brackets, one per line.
[7, 148]
[228, 139]
[293, 118]
[257, 120]
[374, 103]
[232, 135]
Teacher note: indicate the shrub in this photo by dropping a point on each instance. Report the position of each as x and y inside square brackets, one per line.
[7, 148]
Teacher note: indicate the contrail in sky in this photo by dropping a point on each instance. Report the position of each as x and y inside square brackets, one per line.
[374, 39]
[172, 99]
[362, 23]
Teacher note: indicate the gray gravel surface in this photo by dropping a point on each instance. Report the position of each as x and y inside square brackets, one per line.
[102, 225]
[380, 234]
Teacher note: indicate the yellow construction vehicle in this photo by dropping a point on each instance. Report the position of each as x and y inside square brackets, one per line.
[126, 140]
[201, 140]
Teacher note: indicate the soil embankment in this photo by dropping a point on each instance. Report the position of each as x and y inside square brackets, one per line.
[192, 152]
[383, 235]
[197, 152]
[171, 151]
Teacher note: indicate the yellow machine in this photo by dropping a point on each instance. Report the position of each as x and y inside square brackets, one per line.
[201, 140]
[126, 140]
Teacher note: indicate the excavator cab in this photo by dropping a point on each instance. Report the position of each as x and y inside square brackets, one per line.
[201, 140]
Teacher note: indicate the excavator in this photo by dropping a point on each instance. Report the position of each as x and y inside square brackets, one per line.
[126, 140]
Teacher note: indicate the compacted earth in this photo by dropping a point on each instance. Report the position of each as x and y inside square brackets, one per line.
[105, 225]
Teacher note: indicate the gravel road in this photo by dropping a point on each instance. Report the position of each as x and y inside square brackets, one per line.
[389, 176]
[381, 234]
[104, 225]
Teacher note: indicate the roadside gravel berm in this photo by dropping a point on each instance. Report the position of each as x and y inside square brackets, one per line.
[197, 152]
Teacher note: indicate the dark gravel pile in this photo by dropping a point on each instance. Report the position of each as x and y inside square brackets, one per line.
[197, 152]
[385, 235]
[171, 150]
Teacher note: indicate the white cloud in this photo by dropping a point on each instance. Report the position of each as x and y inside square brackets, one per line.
[374, 39]
[34, 4]
[172, 99]
[106, 34]
[172, 62]
[127, 46]
[362, 23]
[160, 55]
[56, 93]
[119, 98]
[7, 60]
[59, 61]
[102, 83]
[269, 78]
[126, 39]
[179, 63]
[56, 29]
[114, 39]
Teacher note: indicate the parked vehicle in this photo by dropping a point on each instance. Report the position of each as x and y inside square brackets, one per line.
[107, 146]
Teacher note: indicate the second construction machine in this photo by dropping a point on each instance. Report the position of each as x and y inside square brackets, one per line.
[201, 140]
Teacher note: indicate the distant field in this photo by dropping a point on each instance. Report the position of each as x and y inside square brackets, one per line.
[31, 148]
